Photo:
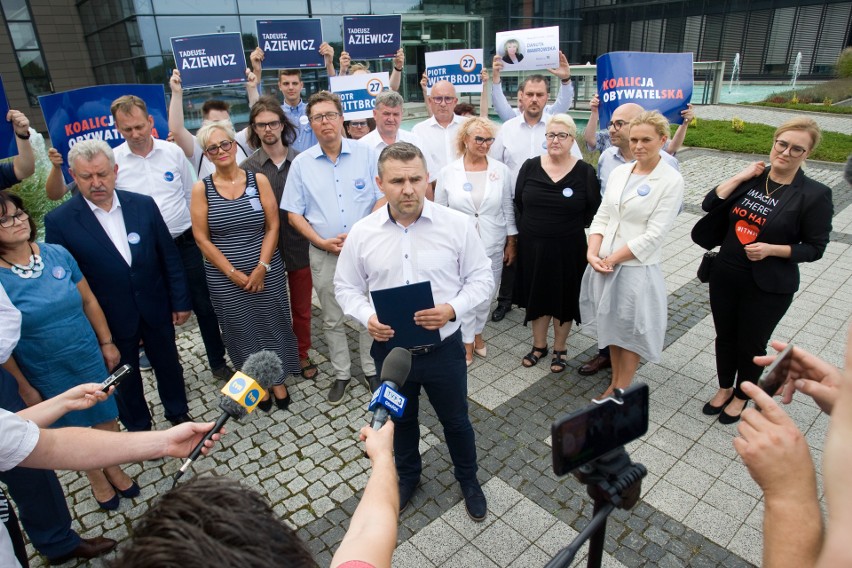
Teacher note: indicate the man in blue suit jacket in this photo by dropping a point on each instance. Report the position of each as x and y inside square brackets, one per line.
[126, 253]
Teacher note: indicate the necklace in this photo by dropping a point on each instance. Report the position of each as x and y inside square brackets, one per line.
[31, 270]
[769, 193]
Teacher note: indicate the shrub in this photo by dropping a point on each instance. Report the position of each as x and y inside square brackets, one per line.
[844, 63]
[31, 190]
[737, 124]
[827, 101]
[794, 100]
[777, 99]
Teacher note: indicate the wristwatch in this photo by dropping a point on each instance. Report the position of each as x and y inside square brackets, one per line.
[266, 265]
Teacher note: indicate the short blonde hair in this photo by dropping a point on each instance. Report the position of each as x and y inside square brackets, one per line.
[806, 125]
[469, 126]
[566, 121]
[206, 132]
[653, 119]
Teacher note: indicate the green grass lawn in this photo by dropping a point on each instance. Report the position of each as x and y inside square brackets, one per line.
[833, 91]
[757, 139]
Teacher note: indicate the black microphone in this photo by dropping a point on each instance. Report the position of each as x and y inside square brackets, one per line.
[240, 396]
[386, 399]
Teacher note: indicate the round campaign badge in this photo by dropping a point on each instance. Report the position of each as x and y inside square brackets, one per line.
[58, 272]
[303, 119]
[360, 184]
[237, 386]
[544, 145]
[133, 238]
[169, 176]
[251, 191]
[643, 190]
[467, 186]
[567, 192]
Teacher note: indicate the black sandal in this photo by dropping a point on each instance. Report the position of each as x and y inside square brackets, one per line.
[310, 371]
[532, 358]
[558, 361]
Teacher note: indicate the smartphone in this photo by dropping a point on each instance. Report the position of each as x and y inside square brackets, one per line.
[115, 379]
[601, 427]
[777, 372]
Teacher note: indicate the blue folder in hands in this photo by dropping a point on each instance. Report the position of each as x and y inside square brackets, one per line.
[396, 306]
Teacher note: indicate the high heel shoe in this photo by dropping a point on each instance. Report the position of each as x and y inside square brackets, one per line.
[481, 351]
[711, 410]
[130, 492]
[265, 405]
[283, 403]
[109, 504]
[725, 418]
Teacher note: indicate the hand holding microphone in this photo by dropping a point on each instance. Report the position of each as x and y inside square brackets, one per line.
[240, 396]
[387, 400]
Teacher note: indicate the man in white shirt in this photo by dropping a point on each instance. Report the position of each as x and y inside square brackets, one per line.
[438, 134]
[413, 240]
[159, 169]
[564, 97]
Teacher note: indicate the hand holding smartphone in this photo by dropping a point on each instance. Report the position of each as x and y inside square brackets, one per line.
[115, 379]
[777, 372]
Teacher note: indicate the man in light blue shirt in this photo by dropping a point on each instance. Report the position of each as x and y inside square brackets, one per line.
[330, 186]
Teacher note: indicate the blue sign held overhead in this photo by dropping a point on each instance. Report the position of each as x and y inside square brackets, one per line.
[372, 37]
[210, 59]
[83, 114]
[655, 81]
[8, 145]
[290, 44]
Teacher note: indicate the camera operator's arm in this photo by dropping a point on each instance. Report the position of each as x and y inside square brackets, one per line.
[371, 536]
[49, 411]
[777, 456]
[835, 469]
[810, 375]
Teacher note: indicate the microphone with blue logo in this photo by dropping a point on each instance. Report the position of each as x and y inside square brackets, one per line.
[240, 396]
[386, 400]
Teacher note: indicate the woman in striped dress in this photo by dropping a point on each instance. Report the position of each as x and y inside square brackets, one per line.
[235, 223]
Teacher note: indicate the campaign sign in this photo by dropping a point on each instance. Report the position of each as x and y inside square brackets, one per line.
[372, 37]
[654, 81]
[290, 44]
[358, 93]
[528, 50]
[461, 67]
[8, 146]
[208, 60]
[83, 114]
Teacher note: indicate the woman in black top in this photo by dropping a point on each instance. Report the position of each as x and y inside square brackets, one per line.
[767, 220]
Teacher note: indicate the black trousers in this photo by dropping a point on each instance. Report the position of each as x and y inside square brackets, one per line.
[744, 317]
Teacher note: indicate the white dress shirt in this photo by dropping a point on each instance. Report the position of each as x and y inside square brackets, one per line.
[165, 175]
[439, 142]
[113, 223]
[440, 247]
[374, 140]
[10, 326]
[505, 111]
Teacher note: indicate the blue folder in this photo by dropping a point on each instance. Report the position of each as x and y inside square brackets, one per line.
[396, 306]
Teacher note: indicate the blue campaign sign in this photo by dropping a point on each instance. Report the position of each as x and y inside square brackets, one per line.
[8, 146]
[290, 44]
[210, 59]
[83, 114]
[372, 37]
[655, 81]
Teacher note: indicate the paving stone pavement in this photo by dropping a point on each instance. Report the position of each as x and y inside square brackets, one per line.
[772, 116]
[699, 507]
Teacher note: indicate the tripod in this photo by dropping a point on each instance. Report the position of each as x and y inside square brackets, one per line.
[613, 481]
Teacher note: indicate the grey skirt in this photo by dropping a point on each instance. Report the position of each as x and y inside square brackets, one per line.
[627, 308]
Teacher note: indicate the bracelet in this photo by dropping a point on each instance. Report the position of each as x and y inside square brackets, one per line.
[107, 342]
[21, 136]
[266, 265]
[398, 69]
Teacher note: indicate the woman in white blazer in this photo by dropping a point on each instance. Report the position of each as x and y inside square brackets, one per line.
[623, 294]
[482, 188]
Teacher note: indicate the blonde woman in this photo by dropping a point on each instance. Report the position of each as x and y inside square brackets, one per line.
[623, 295]
[481, 187]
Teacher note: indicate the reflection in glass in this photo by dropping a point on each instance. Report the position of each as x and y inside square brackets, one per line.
[15, 9]
[23, 35]
[183, 26]
[269, 8]
[194, 7]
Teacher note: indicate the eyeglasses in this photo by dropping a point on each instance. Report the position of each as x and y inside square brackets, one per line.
[443, 100]
[795, 151]
[274, 125]
[225, 146]
[358, 124]
[480, 140]
[561, 135]
[329, 116]
[616, 124]
[8, 221]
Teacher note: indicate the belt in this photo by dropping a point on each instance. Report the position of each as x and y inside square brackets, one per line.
[184, 237]
[426, 349]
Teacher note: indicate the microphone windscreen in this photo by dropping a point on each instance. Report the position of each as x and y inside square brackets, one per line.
[232, 407]
[397, 365]
[264, 367]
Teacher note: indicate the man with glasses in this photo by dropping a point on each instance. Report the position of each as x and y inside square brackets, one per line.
[330, 186]
[23, 165]
[520, 139]
[273, 135]
[438, 134]
[618, 153]
[159, 169]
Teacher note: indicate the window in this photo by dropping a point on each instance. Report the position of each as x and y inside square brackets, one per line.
[27, 47]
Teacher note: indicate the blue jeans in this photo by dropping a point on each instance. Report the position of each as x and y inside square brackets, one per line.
[37, 492]
[443, 375]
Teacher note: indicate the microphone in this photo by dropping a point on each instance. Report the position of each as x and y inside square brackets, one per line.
[387, 400]
[240, 396]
